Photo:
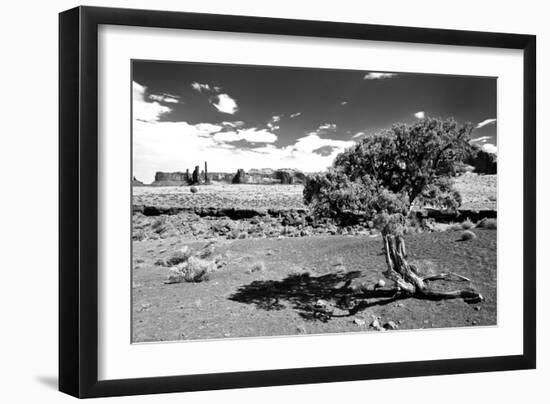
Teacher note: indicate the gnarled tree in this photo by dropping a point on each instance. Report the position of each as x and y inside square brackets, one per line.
[382, 177]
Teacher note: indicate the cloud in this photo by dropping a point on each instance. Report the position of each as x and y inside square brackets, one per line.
[378, 76]
[489, 148]
[420, 114]
[175, 146]
[485, 123]
[167, 98]
[234, 124]
[250, 135]
[274, 119]
[294, 115]
[312, 142]
[358, 134]
[224, 103]
[328, 126]
[143, 110]
[200, 87]
[343, 103]
[481, 139]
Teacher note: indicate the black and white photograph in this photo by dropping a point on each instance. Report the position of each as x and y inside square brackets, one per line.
[277, 201]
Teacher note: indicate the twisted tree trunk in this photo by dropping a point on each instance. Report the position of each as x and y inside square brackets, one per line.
[410, 282]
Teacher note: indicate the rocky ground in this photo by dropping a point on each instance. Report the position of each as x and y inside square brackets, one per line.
[249, 260]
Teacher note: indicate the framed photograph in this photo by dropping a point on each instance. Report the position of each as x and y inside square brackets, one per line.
[251, 202]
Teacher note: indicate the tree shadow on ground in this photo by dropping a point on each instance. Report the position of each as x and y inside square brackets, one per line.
[314, 297]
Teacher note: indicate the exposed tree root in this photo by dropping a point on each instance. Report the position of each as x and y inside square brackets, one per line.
[409, 281]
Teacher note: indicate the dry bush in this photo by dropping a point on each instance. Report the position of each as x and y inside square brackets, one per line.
[197, 270]
[257, 266]
[467, 224]
[182, 255]
[468, 235]
[455, 227]
[487, 223]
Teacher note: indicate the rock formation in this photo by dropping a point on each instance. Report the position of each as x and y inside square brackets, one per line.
[136, 182]
[240, 177]
[196, 176]
[169, 179]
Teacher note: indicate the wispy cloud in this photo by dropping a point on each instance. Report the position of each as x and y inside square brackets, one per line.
[167, 98]
[343, 103]
[378, 76]
[294, 115]
[481, 139]
[420, 114]
[233, 124]
[224, 103]
[358, 134]
[485, 123]
[144, 110]
[204, 87]
[328, 126]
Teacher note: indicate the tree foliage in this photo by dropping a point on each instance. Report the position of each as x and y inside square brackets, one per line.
[383, 175]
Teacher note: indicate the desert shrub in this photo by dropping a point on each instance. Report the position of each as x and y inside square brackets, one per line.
[257, 266]
[467, 235]
[467, 224]
[487, 223]
[182, 255]
[197, 270]
[382, 176]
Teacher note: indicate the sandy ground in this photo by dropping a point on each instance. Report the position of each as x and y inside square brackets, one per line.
[281, 299]
[478, 192]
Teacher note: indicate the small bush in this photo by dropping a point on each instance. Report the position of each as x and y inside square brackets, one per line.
[198, 270]
[257, 266]
[467, 224]
[468, 235]
[179, 256]
[487, 223]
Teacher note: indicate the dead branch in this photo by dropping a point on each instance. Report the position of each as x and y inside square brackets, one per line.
[409, 281]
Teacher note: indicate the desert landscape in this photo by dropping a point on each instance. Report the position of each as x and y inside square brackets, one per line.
[278, 201]
[275, 270]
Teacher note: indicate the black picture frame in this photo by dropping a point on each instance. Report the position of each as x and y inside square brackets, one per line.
[78, 201]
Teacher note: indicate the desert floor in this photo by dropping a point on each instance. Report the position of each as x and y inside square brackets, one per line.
[279, 285]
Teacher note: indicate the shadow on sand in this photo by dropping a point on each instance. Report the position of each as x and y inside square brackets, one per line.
[314, 297]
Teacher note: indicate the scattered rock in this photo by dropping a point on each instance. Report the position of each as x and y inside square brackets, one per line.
[194, 190]
[257, 266]
[360, 322]
[376, 325]
[381, 283]
[477, 308]
[321, 303]
[390, 325]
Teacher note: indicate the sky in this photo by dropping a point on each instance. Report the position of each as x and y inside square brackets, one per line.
[241, 116]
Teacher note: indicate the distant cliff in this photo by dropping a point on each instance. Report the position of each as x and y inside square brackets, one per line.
[170, 179]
